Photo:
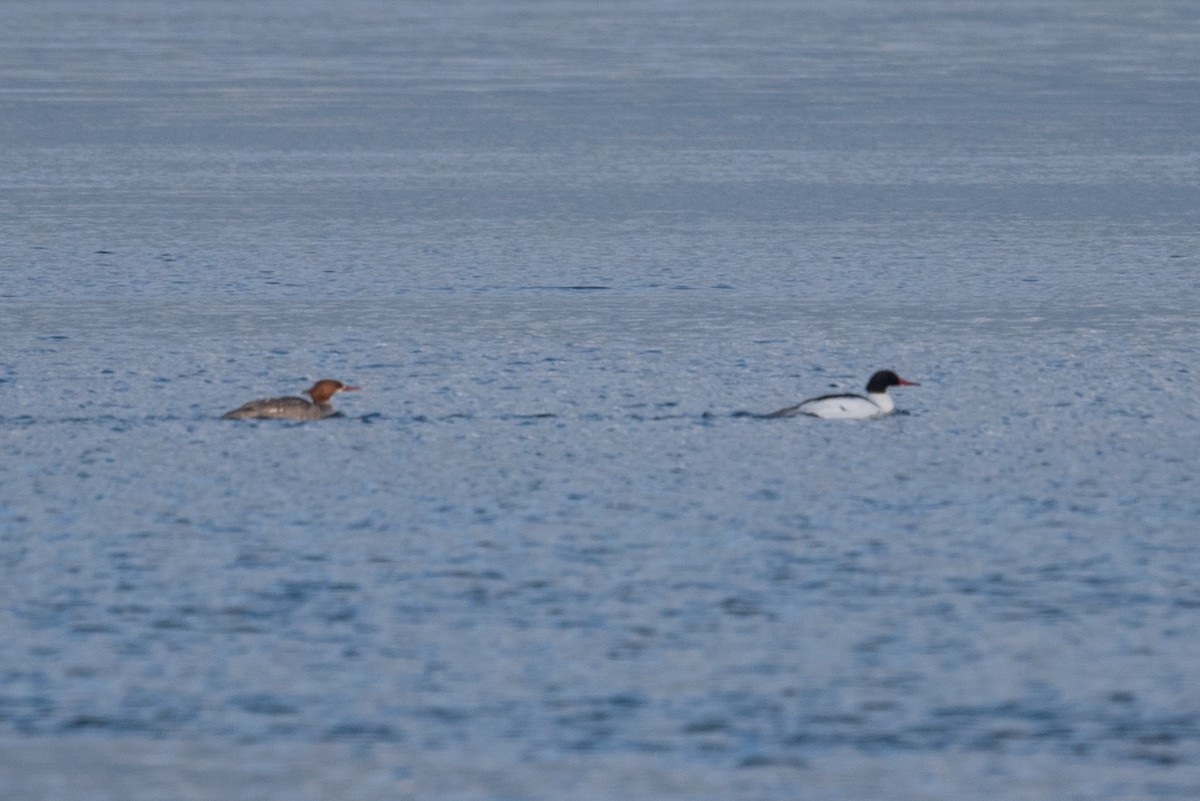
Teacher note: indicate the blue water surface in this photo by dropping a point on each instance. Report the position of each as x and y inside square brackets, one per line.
[569, 250]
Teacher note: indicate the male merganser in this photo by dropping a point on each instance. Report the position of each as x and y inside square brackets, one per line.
[849, 406]
[294, 408]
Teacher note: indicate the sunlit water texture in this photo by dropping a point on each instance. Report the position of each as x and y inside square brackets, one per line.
[570, 251]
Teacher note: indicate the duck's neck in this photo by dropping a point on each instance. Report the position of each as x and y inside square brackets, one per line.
[883, 401]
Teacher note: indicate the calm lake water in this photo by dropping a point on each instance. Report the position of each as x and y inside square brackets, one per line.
[565, 247]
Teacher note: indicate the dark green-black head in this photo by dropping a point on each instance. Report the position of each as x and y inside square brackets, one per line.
[886, 378]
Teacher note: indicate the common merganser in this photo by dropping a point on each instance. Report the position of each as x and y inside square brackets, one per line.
[294, 408]
[849, 406]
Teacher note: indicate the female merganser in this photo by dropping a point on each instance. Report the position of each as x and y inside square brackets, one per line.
[849, 406]
[294, 408]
